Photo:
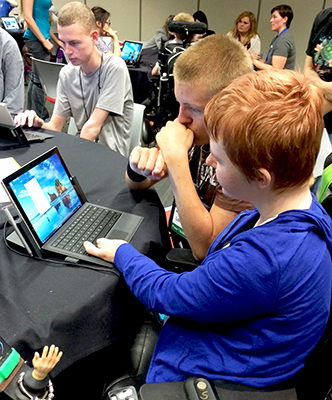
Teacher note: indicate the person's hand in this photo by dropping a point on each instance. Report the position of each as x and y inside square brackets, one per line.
[30, 118]
[48, 45]
[255, 56]
[108, 31]
[105, 248]
[44, 364]
[147, 162]
[174, 140]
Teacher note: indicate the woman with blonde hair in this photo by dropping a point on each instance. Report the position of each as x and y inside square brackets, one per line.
[245, 30]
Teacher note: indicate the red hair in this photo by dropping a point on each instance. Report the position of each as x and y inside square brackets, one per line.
[269, 119]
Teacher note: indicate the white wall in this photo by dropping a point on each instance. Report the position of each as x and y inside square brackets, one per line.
[222, 14]
[139, 19]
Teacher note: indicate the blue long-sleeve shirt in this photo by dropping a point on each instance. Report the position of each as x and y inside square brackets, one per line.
[252, 311]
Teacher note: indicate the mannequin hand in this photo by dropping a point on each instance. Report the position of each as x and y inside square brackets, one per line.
[44, 364]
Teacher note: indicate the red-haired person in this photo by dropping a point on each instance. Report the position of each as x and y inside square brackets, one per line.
[259, 302]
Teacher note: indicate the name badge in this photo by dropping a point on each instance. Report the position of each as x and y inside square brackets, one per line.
[176, 224]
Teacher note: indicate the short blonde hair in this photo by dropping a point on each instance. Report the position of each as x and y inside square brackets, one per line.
[269, 119]
[77, 13]
[184, 17]
[213, 62]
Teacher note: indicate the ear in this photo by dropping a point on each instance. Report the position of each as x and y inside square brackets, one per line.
[99, 24]
[265, 179]
[94, 36]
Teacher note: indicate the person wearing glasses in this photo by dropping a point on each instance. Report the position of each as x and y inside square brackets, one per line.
[103, 22]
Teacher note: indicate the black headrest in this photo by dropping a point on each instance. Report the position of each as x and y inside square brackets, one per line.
[186, 27]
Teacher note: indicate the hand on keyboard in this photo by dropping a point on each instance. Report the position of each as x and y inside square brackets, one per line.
[106, 248]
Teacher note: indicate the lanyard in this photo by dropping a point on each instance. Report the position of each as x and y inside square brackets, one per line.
[271, 47]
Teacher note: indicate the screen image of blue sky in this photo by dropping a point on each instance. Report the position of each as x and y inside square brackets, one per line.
[46, 206]
[131, 51]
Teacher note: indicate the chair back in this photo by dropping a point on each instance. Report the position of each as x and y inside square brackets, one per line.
[48, 73]
[72, 128]
[325, 188]
[325, 193]
[137, 126]
[314, 380]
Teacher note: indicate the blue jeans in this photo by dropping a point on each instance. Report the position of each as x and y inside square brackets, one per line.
[36, 96]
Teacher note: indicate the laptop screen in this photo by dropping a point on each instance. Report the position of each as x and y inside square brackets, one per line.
[10, 23]
[131, 51]
[45, 194]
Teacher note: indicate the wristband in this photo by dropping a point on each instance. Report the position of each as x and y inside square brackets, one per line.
[134, 176]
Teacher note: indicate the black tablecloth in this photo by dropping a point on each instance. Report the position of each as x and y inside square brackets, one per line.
[80, 310]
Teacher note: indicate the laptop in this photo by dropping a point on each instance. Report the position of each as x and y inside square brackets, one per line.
[56, 216]
[13, 136]
[10, 24]
[131, 52]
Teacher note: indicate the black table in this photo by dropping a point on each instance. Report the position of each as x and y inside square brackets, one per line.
[81, 310]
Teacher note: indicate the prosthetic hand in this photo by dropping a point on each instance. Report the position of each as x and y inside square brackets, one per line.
[44, 364]
[37, 382]
[21, 382]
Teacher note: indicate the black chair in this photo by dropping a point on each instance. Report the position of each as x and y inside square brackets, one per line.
[315, 379]
[312, 382]
[195, 388]
[134, 366]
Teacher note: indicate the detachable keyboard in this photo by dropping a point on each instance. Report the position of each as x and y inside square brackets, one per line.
[92, 224]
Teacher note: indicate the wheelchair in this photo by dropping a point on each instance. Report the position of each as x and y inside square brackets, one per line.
[161, 105]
